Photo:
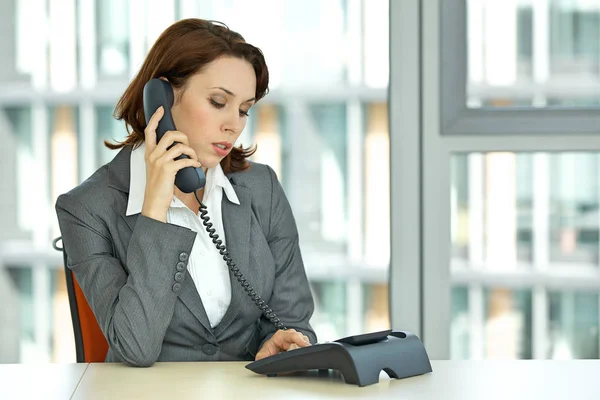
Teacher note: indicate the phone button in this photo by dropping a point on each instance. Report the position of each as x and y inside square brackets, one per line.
[180, 266]
[184, 256]
[177, 287]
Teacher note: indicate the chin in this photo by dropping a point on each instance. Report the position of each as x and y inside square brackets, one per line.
[211, 163]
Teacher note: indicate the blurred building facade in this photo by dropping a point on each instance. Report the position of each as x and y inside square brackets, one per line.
[323, 128]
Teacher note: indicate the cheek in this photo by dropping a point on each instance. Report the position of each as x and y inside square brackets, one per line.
[202, 119]
[198, 123]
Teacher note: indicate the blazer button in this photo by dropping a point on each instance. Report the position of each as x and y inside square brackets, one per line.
[183, 256]
[179, 277]
[180, 266]
[209, 349]
[177, 287]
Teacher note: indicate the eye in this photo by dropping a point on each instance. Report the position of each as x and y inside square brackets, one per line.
[216, 104]
[243, 113]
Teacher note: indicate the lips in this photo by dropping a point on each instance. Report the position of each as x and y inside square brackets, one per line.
[222, 148]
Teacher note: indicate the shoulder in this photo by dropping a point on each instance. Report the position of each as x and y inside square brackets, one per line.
[261, 185]
[97, 194]
[90, 190]
[259, 178]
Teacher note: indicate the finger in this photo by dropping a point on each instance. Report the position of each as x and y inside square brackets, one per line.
[150, 131]
[284, 339]
[185, 162]
[300, 339]
[268, 349]
[292, 336]
[171, 137]
[293, 346]
[273, 345]
[176, 151]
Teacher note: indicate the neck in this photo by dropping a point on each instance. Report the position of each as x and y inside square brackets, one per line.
[189, 199]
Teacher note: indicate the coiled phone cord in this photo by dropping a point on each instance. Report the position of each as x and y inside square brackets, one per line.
[255, 297]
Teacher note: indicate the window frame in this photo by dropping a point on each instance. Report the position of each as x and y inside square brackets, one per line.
[458, 119]
[424, 135]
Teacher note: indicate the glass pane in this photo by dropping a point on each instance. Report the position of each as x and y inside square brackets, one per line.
[573, 326]
[20, 323]
[64, 148]
[491, 209]
[376, 307]
[17, 158]
[344, 308]
[330, 309]
[17, 314]
[375, 34]
[519, 223]
[533, 53]
[313, 145]
[490, 323]
[574, 217]
[507, 324]
[107, 128]
[62, 344]
[316, 28]
[504, 203]
[460, 325]
[112, 19]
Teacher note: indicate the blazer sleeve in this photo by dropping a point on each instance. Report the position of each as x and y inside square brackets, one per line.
[291, 299]
[133, 303]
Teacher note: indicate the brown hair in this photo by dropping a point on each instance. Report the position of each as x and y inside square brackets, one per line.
[182, 50]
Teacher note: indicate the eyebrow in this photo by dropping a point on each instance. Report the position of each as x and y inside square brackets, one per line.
[229, 92]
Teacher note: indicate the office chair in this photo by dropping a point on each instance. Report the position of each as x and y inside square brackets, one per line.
[90, 343]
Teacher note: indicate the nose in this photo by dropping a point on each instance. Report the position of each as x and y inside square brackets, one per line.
[232, 122]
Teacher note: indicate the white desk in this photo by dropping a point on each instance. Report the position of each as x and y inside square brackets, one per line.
[466, 380]
[39, 381]
[462, 380]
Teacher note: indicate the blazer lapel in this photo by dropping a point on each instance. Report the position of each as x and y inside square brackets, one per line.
[236, 224]
[131, 220]
[190, 297]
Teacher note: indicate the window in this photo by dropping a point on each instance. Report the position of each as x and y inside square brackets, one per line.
[524, 225]
[524, 67]
[533, 53]
[501, 169]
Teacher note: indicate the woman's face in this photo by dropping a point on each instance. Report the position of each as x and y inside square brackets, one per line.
[213, 108]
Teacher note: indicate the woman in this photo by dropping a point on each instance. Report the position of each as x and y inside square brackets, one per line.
[136, 244]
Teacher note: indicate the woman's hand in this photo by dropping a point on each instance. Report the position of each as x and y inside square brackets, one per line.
[282, 341]
[161, 167]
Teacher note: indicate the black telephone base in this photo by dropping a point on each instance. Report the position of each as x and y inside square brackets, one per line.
[360, 359]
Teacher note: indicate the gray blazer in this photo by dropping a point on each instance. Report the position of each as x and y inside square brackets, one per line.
[130, 269]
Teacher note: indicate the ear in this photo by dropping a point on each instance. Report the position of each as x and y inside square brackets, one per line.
[176, 92]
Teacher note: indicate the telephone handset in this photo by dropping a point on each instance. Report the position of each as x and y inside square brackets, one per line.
[158, 92]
